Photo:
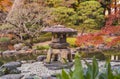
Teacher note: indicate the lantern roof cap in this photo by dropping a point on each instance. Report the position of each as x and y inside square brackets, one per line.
[59, 29]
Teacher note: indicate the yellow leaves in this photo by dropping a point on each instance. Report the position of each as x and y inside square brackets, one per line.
[5, 5]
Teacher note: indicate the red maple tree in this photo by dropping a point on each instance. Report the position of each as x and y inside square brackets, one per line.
[98, 38]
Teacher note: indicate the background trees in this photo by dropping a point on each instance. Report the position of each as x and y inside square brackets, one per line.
[90, 14]
[26, 16]
[87, 14]
[64, 15]
[27, 20]
[111, 30]
[69, 12]
[5, 6]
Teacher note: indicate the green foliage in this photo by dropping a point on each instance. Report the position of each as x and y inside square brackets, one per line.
[71, 41]
[4, 39]
[5, 26]
[43, 38]
[86, 13]
[78, 71]
[106, 2]
[42, 47]
[1, 63]
[64, 15]
[92, 71]
[90, 14]
[53, 3]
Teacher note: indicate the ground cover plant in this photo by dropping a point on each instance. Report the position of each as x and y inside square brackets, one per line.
[91, 71]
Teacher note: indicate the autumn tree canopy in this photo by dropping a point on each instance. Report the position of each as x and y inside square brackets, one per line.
[5, 5]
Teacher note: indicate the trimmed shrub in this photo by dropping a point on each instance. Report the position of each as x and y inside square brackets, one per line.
[71, 41]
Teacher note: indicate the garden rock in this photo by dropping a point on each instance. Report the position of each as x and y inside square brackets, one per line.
[25, 48]
[10, 68]
[23, 62]
[49, 77]
[12, 76]
[12, 65]
[14, 71]
[31, 76]
[58, 65]
[18, 46]
[9, 53]
[2, 72]
[41, 57]
[31, 61]
[21, 51]
[1, 63]
[5, 71]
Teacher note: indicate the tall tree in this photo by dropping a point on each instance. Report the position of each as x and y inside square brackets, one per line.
[115, 5]
[106, 4]
[27, 19]
[90, 14]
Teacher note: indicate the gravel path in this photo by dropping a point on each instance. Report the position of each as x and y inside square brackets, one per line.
[39, 70]
[36, 68]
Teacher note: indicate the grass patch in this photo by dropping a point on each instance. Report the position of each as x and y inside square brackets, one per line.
[4, 39]
[43, 38]
[43, 47]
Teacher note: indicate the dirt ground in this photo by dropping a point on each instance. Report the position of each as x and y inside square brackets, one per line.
[43, 43]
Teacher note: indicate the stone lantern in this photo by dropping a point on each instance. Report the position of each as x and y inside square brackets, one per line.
[59, 48]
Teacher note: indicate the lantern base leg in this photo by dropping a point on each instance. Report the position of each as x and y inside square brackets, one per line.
[61, 55]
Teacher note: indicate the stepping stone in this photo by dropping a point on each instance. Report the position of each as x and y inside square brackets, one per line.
[58, 65]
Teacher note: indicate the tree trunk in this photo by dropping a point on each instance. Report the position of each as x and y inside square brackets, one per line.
[115, 6]
[109, 10]
[16, 5]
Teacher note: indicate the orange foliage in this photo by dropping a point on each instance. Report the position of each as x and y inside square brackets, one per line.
[111, 30]
[10, 36]
[97, 38]
[114, 42]
[89, 39]
[11, 47]
[5, 5]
